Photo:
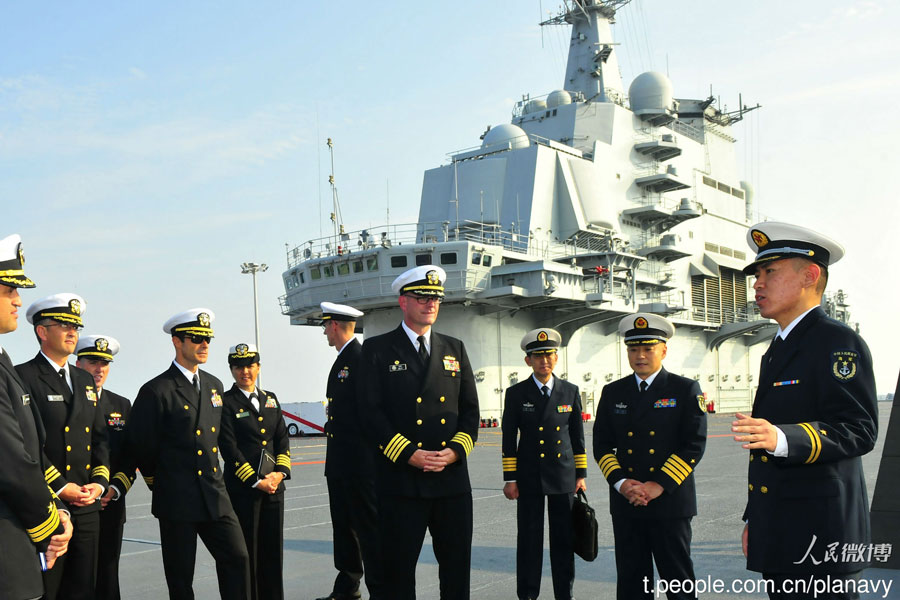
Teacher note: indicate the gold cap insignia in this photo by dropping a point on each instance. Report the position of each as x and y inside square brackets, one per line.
[101, 344]
[759, 238]
[640, 323]
[21, 252]
[542, 336]
[75, 306]
[432, 277]
[241, 349]
[204, 319]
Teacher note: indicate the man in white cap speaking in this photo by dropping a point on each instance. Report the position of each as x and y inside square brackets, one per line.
[349, 465]
[543, 456]
[421, 409]
[31, 516]
[95, 354]
[173, 436]
[649, 435]
[76, 439]
[814, 416]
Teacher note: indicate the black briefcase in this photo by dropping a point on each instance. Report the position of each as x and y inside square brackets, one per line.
[584, 522]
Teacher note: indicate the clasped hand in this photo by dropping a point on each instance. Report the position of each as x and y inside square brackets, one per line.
[640, 493]
[433, 460]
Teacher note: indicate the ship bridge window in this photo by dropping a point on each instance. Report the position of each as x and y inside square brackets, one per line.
[328, 270]
[343, 268]
[372, 263]
[423, 259]
[487, 260]
[357, 266]
[315, 273]
[448, 258]
[398, 261]
[476, 258]
[300, 275]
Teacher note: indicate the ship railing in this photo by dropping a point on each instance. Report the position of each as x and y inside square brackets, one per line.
[724, 315]
[690, 131]
[389, 236]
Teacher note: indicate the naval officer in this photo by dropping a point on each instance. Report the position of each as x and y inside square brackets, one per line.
[543, 456]
[349, 465]
[649, 435]
[173, 436]
[30, 518]
[76, 446]
[95, 353]
[813, 417]
[421, 409]
[257, 453]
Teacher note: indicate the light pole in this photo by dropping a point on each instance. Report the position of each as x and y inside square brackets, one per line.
[252, 268]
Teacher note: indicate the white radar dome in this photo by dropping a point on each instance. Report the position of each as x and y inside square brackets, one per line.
[558, 98]
[535, 106]
[507, 132]
[651, 90]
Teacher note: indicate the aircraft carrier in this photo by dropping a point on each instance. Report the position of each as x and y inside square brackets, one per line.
[593, 202]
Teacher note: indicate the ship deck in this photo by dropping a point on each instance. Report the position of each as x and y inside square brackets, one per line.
[308, 570]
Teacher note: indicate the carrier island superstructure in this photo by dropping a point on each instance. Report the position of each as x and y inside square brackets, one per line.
[592, 203]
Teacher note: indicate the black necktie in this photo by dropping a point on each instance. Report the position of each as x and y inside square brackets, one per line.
[4, 358]
[423, 351]
[254, 400]
[545, 391]
[776, 345]
[644, 386]
[197, 383]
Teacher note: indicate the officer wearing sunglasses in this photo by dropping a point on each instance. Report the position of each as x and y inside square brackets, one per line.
[173, 436]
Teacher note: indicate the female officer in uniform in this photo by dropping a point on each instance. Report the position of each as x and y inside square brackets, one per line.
[256, 450]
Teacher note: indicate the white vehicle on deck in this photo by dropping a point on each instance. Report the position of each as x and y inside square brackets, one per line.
[304, 418]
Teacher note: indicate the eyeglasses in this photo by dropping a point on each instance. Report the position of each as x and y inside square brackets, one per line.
[66, 326]
[423, 300]
[198, 339]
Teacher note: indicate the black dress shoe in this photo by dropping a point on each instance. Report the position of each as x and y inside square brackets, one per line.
[355, 596]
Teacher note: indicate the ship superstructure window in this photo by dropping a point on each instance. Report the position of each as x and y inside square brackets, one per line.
[448, 258]
[372, 263]
[357, 266]
[300, 275]
[476, 258]
[343, 268]
[328, 270]
[398, 261]
[487, 260]
[315, 273]
[423, 259]
[720, 299]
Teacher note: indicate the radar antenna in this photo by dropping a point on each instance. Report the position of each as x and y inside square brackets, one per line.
[571, 8]
[337, 219]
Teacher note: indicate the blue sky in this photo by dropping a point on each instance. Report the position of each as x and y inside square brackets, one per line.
[146, 150]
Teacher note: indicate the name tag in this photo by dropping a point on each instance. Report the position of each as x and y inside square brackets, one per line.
[788, 382]
[665, 403]
[397, 367]
[26, 399]
[241, 415]
[54, 398]
[528, 407]
[620, 408]
[564, 408]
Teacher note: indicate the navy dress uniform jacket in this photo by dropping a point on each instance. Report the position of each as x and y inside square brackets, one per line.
[408, 407]
[116, 411]
[28, 510]
[819, 388]
[76, 445]
[348, 451]
[658, 435]
[247, 433]
[173, 436]
[549, 454]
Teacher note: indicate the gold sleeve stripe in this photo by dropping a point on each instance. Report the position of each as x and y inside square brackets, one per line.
[677, 469]
[675, 475]
[510, 464]
[123, 479]
[148, 480]
[101, 471]
[244, 472]
[395, 447]
[608, 463]
[51, 474]
[465, 440]
[815, 442]
[45, 529]
[581, 461]
[283, 460]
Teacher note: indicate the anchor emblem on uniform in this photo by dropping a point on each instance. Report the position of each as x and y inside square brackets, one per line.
[844, 370]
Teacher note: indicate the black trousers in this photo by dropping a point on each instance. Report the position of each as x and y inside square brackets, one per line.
[800, 590]
[403, 522]
[112, 526]
[530, 544]
[640, 543]
[354, 523]
[262, 521]
[224, 540]
[74, 574]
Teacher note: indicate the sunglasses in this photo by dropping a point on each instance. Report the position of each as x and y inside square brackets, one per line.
[198, 339]
[65, 326]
